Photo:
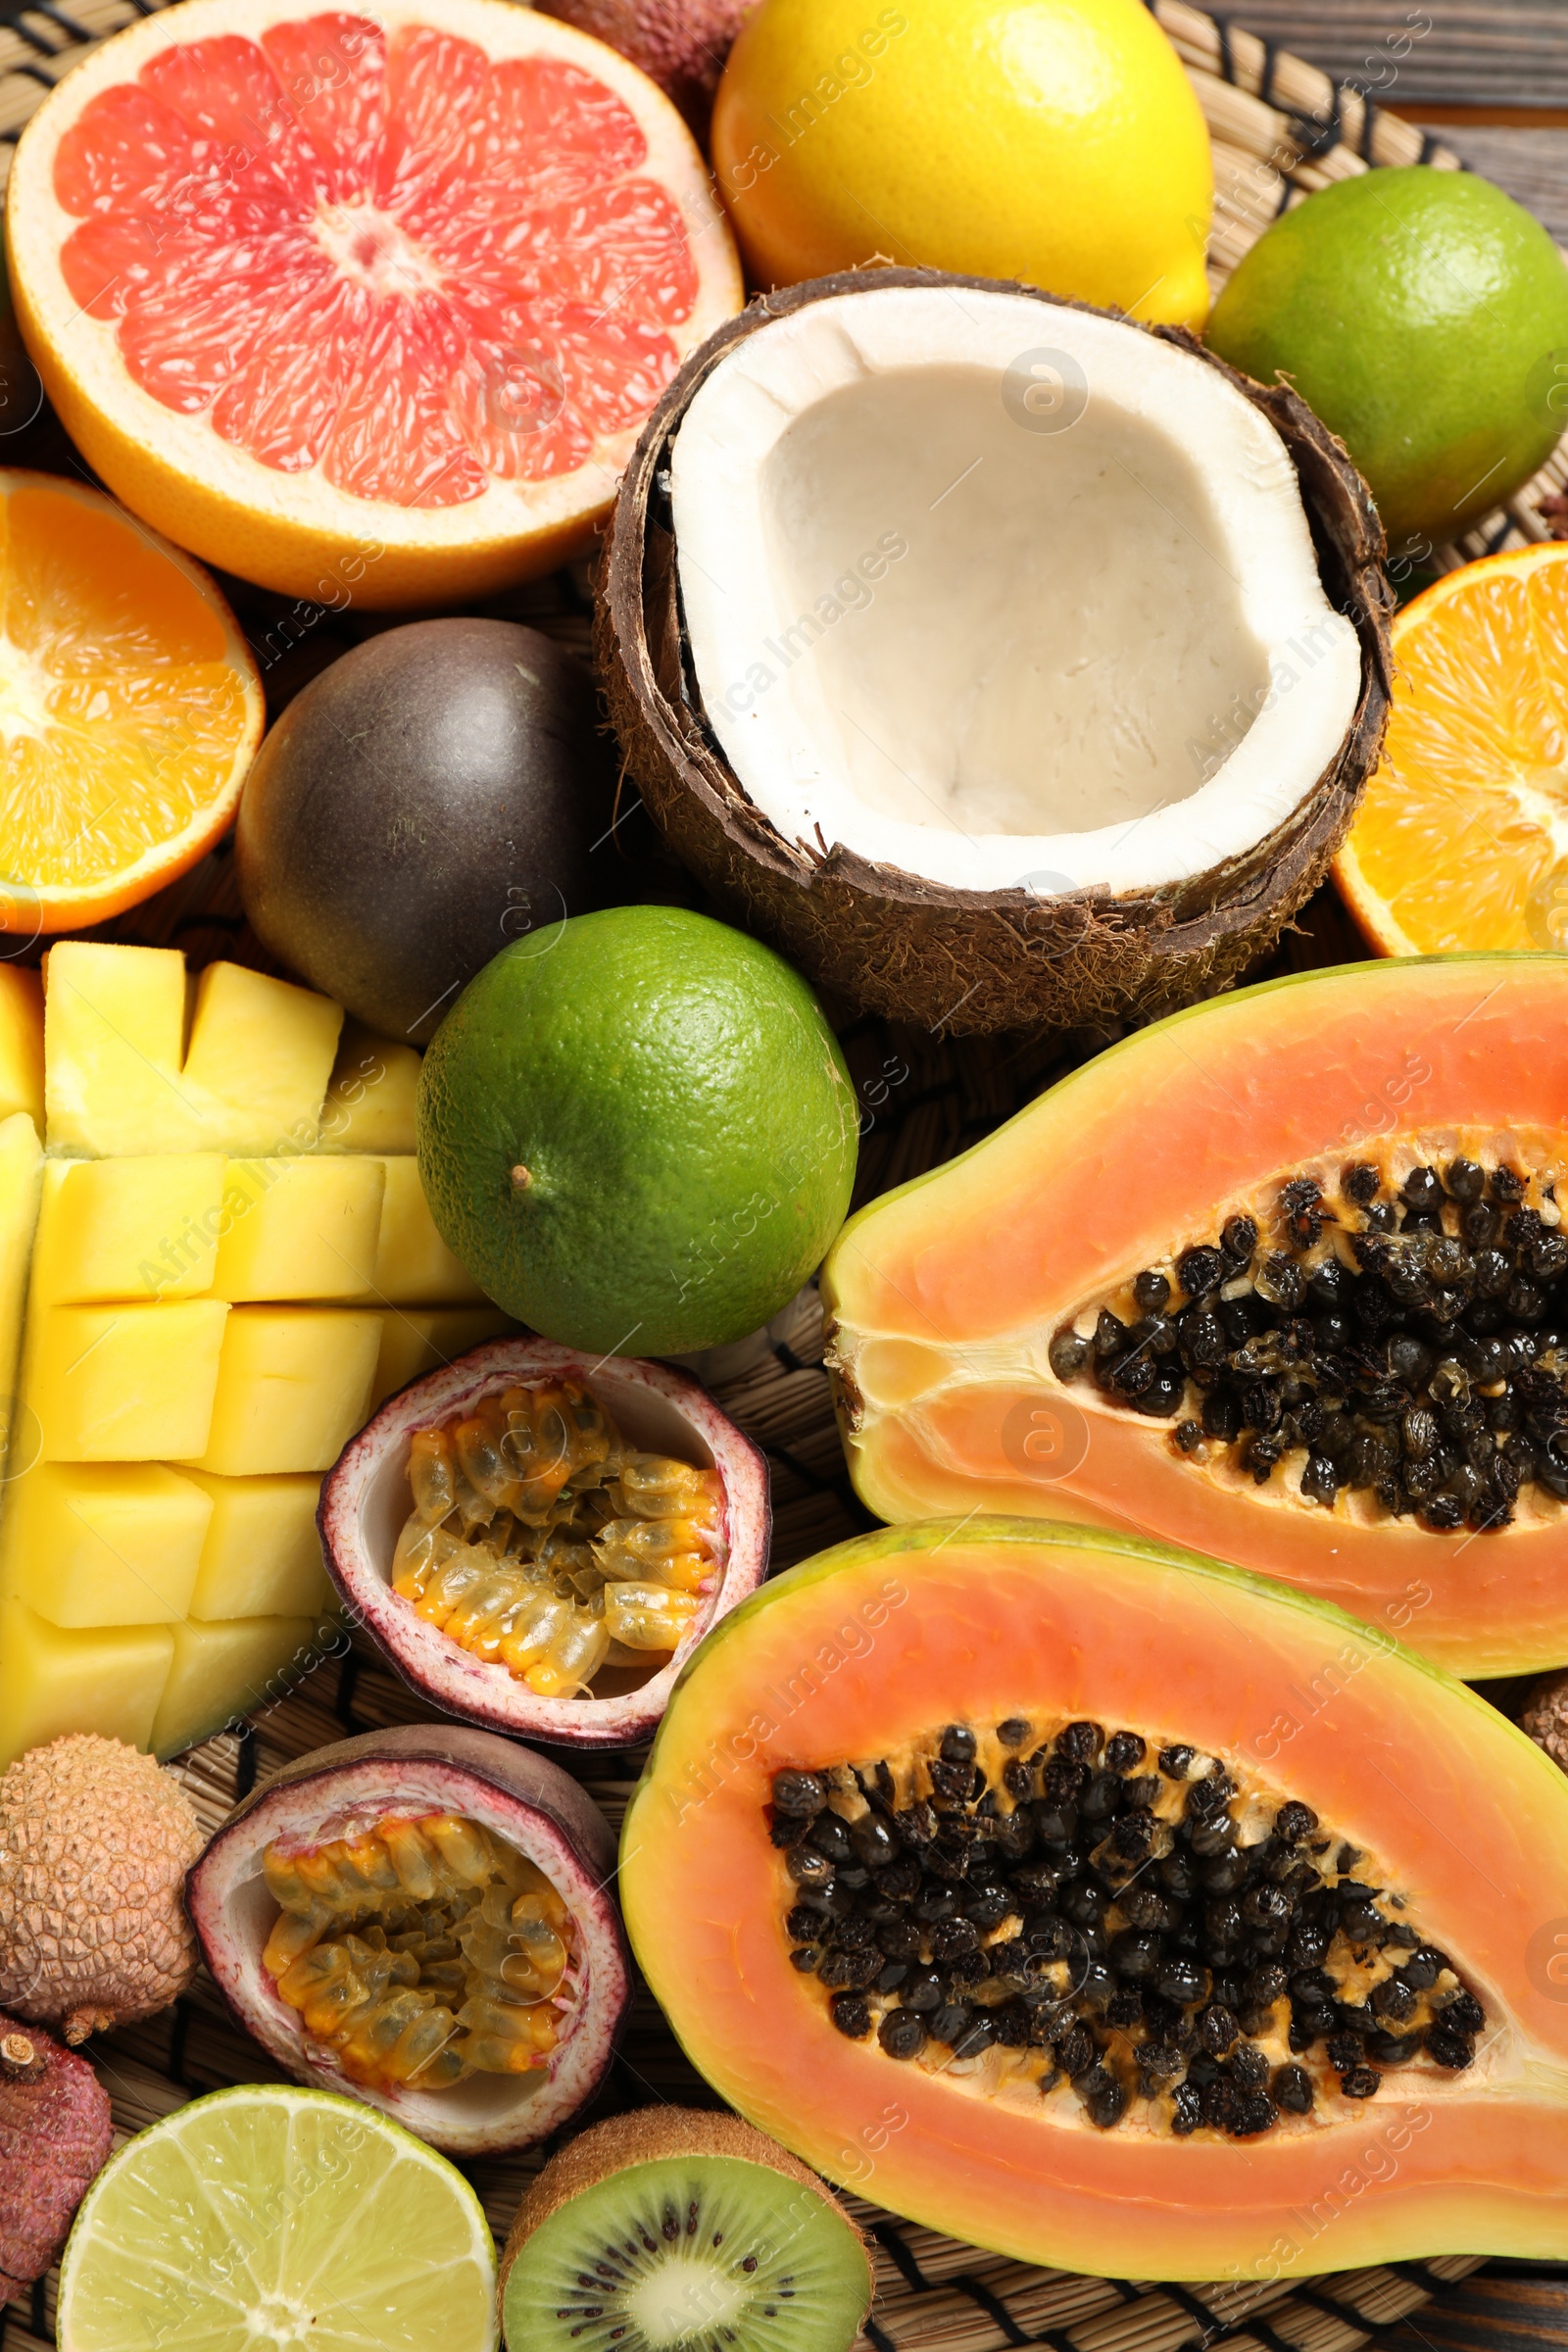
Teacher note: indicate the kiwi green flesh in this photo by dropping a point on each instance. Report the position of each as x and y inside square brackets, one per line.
[705, 2253]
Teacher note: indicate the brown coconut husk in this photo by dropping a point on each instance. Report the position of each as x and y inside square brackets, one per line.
[958, 960]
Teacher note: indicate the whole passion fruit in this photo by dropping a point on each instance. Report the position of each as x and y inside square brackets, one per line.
[442, 789]
[419, 1918]
[539, 1541]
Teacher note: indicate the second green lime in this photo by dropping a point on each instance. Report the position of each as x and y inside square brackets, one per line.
[1424, 315]
[637, 1132]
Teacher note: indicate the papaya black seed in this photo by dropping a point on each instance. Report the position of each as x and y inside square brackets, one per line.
[1080, 1743]
[1152, 1291]
[799, 1791]
[1238, 1239]
[851, 2014]
[902, 2033]
[1186, 1954]
[1014, 1731]
[1067, 1353]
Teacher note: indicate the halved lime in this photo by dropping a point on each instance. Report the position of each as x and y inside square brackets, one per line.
[268, 2219]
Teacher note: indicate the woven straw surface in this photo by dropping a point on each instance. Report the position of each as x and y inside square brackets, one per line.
[1281, 128]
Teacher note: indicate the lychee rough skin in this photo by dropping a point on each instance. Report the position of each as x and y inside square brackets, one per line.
[681, 44]
[55, 2132]
[95, 1840]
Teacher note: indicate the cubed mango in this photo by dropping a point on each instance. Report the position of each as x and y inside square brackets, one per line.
[419, 1340]
[261, 1556]
[118, 1081]
[102, 1543]
[300, 1228]
[53, 1682]
[413, 1267]
[125, 1384]
[221, 1673]
[22, 1046]
[370, 1103]
[293, 1386]
[133, 1229]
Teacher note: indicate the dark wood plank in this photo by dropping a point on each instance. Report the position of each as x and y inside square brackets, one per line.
[1532, 164]
[1463, 51]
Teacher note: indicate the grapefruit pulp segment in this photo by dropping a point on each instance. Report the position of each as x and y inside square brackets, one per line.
[300, 279]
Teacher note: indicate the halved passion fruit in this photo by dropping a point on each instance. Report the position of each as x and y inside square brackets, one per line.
[419, 1918]
[539, 1541]
[1284, 1278]
[1112, 1909]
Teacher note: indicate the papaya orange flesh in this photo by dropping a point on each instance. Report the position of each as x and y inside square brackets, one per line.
[944, 1296]
[881, 1643]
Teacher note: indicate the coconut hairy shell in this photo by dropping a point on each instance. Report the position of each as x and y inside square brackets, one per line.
[95, 1840]
[644, 2136]
[893, 943]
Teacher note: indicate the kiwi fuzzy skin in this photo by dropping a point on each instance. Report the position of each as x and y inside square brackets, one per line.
[646, 2137]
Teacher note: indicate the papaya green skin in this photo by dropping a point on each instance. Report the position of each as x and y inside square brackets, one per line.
[955, 1620]
[964, 1273]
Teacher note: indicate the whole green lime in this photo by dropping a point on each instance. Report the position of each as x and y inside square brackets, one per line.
[1424, 315]
[637, 1132]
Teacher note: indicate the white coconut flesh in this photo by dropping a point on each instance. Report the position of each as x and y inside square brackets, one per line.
[1000, 594]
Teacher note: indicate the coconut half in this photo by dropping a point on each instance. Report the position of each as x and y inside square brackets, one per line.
[1006, 662]
[342, 1791]
[366, 1497]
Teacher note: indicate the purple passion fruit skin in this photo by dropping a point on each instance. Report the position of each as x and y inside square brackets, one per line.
[424, 1772]
[365, 1507]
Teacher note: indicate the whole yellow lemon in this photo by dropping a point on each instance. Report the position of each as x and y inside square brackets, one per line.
[1057, 142]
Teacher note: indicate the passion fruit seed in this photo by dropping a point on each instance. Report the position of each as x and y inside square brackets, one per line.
[422, 1952]
[537, 1542]
[1405, 1345]
[1133, 1935]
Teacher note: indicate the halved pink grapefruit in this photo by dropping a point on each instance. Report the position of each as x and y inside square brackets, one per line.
[367, 307]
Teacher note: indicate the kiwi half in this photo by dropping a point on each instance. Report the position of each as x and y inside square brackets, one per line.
[674, 2228]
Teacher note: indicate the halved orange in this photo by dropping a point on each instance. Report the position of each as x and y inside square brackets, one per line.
[129, 707]
[1462, 838]
[367, 306]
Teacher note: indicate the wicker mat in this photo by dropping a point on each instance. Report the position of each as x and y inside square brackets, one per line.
[1281, 128]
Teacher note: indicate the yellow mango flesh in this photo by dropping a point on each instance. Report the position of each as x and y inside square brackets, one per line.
[293, 1386]
[416, 1341]
[261, 1555]
[413, 1267]
[218, 1674]
[53, 1682]
[125, 1384]
[91, 1544]
[233, 1263]
[127, 1228]
[300, 1228]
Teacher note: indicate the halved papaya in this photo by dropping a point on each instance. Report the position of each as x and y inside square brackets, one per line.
[1114, 1909]
[1283, 1278]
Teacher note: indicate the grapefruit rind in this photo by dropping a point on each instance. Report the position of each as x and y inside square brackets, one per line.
[297, 532]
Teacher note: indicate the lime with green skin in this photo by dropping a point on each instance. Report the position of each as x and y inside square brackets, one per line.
[637, 1132]
[1423, 315]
